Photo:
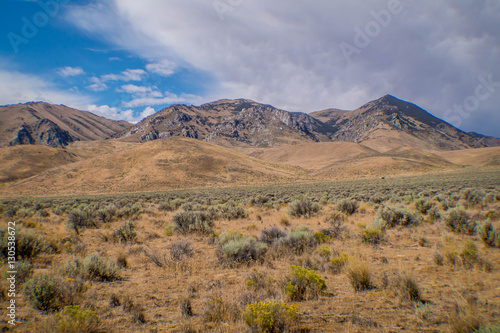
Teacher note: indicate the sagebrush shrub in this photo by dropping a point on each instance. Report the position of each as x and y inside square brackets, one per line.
[43, 293]
[459, 221]
[489, 234]
[126, 232]
[272, 234]
[303, 284]
[347, 207]
[78, 219]
[298, 241]
[181, 250]
[97, 268]
[423, 206]
[193, 221]
[270, 317]
[230, 210]
[28, 245]
[390, 217]
[303, 207]
[244, 249]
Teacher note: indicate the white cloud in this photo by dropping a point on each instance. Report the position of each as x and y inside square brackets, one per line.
[97, 85]
[112, 112]
[128, 75]
[141, 91]
[288, 53]
[70, 71]
[21, 88]
[168, 98]
[147, 112]
[164, 68]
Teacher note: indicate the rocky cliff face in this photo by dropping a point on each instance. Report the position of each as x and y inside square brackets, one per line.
[391, 113]
[232, 122]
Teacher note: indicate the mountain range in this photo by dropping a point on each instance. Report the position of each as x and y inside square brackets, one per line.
[55, 149]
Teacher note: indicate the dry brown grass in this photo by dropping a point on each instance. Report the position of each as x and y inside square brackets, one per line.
[197, 294]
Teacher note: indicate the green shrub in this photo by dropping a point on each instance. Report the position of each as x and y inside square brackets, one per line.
[338, 262]
[423, 206]
[43, 293]
[193, 221]
[270, 317]
[240, 250]
[76, 320]
[298, 241]
[97, 268]
[303, 207]
[489, 235]
[390, 217]
[321, 237]
[126, 232]
[459, 221]
[107, 214]
[371, 236]
[303, 284]
[347, 207]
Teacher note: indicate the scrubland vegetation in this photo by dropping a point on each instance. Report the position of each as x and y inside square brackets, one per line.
[408, 254]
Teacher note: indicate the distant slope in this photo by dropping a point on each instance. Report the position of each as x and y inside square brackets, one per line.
[485, 157]
[346, 160]
[52, 125]
[230, 122]
[24, 161]
[395, 117]
[153, 166]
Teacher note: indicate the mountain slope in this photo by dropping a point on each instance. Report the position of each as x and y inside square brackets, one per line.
[231, 122]
[153, 166]
[52, 125]
[378, 118]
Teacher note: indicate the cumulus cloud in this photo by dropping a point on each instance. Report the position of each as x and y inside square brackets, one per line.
[70, 71]
[289, 54]
[128, 75]
[164, 68]
[21, 88]
[112, 112]
[97, 85]
[147, 112]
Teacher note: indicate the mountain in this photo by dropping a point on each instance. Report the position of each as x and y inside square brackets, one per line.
[52, 125]
[231, 122]
[389, 123]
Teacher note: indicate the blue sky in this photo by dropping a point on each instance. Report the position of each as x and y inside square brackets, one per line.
[126, 59]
